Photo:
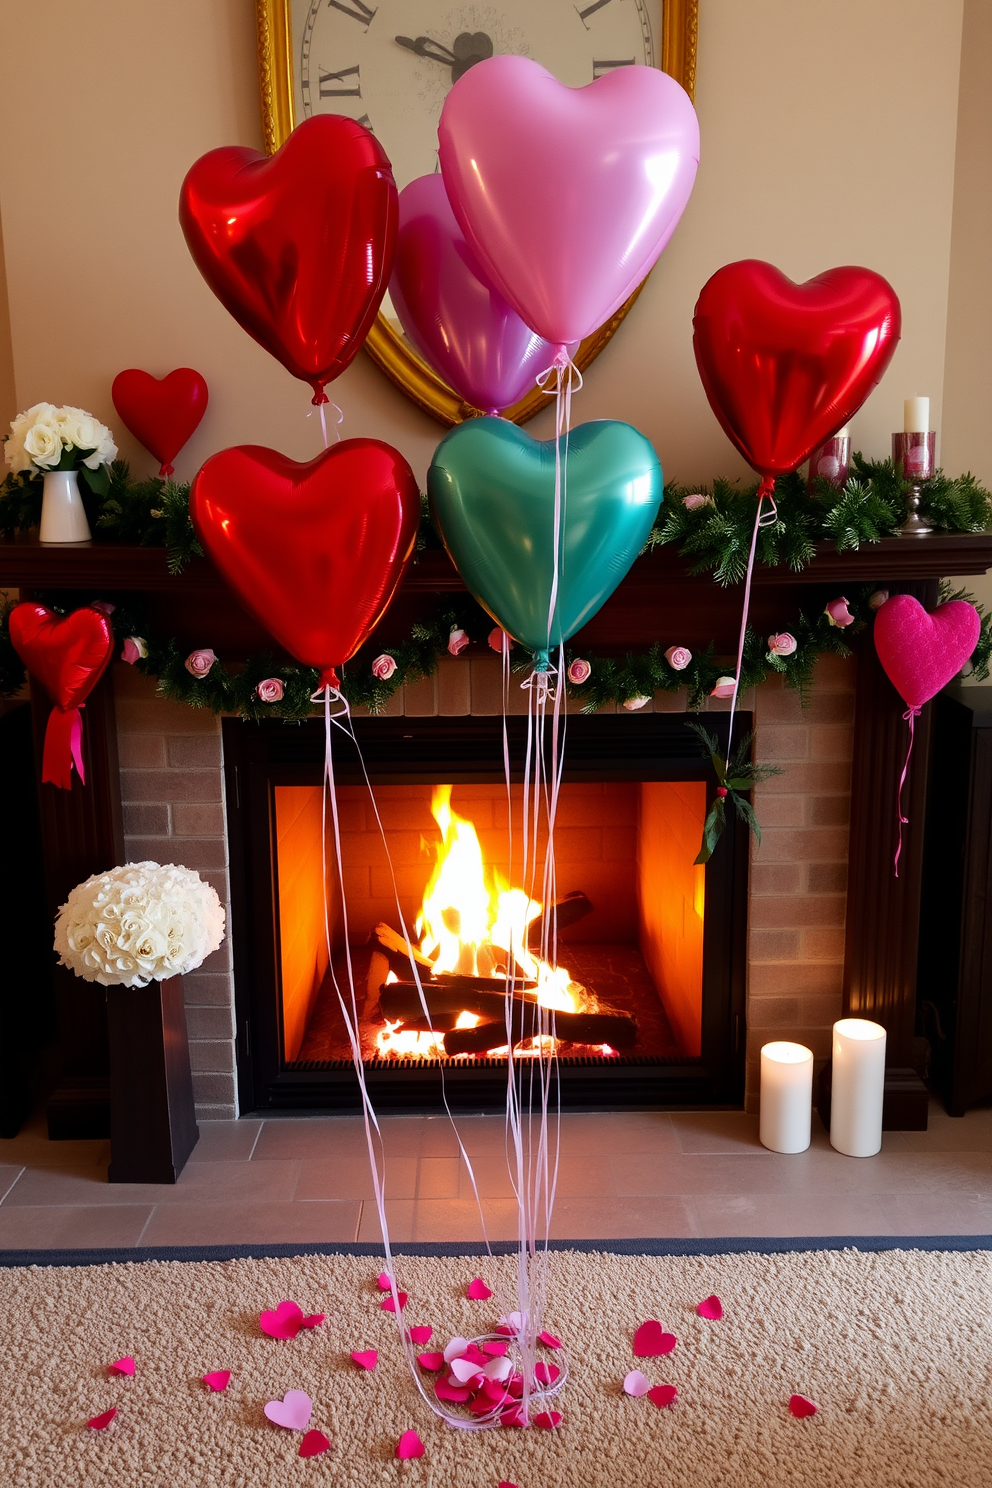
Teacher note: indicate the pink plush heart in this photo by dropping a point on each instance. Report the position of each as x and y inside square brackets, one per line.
[651, 1340]
[921, 652]
[313, 1444]
[635, 1383]
[293, 1411]
[365, 1358]
[98, 1423]
[121, 1366]
[663, 1395]
[477, 1290]
[409, 1445]
[710, 1307]
[284, 1321]
[217, 1379]
[800, 1407]
[422, 1334]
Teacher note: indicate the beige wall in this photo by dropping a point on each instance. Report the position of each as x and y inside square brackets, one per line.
[828, 137]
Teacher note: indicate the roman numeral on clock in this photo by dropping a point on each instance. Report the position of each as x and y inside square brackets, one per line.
[600, 68]
[361, 13]
[591, 10]
[327, 79]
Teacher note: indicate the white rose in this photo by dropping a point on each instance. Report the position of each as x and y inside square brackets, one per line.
[82, 431]
[43, 443]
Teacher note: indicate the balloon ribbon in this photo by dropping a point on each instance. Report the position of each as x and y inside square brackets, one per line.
[911, 715]
[63, 748]
[761, 519]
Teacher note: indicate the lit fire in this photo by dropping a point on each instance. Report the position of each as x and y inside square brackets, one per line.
[473, 924]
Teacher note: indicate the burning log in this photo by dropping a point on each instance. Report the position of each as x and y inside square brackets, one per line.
[401, 1000]
[573, 907]
[615, 1029]
[397, 950]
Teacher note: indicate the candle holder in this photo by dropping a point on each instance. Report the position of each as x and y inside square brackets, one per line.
[915, 458]
[831, 462]
[786, 1097]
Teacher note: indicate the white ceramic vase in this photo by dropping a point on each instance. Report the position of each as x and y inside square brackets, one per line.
[63, 516]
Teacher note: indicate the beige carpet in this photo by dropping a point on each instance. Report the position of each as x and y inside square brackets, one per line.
[896, 1349]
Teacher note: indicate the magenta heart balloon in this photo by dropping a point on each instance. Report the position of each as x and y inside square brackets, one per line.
[567, 195]
[919, 652]
[451, 312]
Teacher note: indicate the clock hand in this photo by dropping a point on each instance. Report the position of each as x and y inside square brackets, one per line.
[422, 47]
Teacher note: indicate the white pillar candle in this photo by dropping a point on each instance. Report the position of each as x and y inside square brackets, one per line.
[786, 1097]
[857, 1086]
[916, 416]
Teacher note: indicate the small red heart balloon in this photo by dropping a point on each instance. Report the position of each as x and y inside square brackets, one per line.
[67, 654]
[299, 248]
[314, 550]
[785, 365]
[161, 412]
[922, 652]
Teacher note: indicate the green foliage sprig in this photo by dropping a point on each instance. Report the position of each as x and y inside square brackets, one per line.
[733, 776]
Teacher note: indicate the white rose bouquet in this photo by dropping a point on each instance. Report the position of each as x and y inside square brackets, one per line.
[48, 438]
[138, 924]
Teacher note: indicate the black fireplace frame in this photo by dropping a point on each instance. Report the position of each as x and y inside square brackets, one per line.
[259, 757]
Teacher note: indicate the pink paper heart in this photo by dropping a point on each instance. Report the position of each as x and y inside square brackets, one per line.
[651, 1341]
[513, 1417]
[421, 1334]
[292, 1412]
[313, 1444]
[710, 1307]
[474, 1353]
[98, 1423]
[122, 1366]
[477, 1290]
[387, 1304]
[365, 1358]
[799, 1406]
[548, 1420]
[314, 1320]
[504, 1484]
[409, 1445]
[495, 1390]
[549, 1340]
[430, 1361]
[921, 653]
[635, 1383]
[464, 1370]
[444, 1391]
[384, 1282]
[284, 1321]
[546, 1374]
[499, 1369]
[494, 1349]
[455, 1349]
[510, 1324]
[217, 1379]
[663, 1395]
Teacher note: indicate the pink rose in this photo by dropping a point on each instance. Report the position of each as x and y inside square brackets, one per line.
[877, 600]
[696, 500]
[678, 657]
[782, 644]
[724, 687]
[579, 671]
[497, 638]
[269, 691]
[632, 704]
[384, 666]
[135, 648]
[837, 612]
[198, 663]
[103, 605]
[457, 641]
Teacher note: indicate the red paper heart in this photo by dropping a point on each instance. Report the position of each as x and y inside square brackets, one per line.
[99, 1423]
[800, 1407]
[122, 1366]
[365, 1358]
[67, 654]
[313, 1444]
[161, 412]
[651, 1341]
[409, 1445]
[477, 1291]
[315, 551]
[217, 1379]
[298, 247]
[922, 652]
[663, 1395]
[710, 1307]
[784, 365]
[284, 1321]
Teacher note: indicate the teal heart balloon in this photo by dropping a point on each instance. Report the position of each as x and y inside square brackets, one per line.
[492, 498]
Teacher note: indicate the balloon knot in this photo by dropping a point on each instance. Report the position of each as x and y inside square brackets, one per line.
[329, 678]
[319, 396]
[562, 357]
[767, 486]
[166, 471]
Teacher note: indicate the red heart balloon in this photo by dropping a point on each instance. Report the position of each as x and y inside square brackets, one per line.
[314, 550]
[785, 365]
[67, 654]
[299, 248]
[922, 652]
[161, 412]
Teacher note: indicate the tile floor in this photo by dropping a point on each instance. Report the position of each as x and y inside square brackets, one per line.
[622, 1175]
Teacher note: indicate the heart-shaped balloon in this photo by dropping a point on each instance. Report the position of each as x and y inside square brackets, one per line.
[161, 412]
[314, 550]
[492, 497]
[67, 654]
[299, 247]
[922, 652]
[567, 195]
[785, 365]
[453, 315]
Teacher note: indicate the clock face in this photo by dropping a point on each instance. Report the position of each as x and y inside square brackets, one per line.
[390, 63]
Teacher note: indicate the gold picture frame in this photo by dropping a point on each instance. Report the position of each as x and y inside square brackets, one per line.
[390, 352]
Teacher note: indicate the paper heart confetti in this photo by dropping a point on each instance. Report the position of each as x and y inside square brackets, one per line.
[97, 1423]
[710, 1307]
[477, 1290]
[464, 1370]
[496, 1350]
[365, 1358]
[409, 1445]
[514, 1417]
[430, 1361]
[284, 1321]
[498, 1369]
[387, 1304]
[800, 1407]
[217, 1379]
[651, 1341]
[455, 1349]
[504, 1484]
[663, 1395]
[421, 1334]
[546, 1374]
[313, 1444]
[384, 1281]
[122, 1366]
[511, 1324]
[292, 1412]
[548, 1420]
[314, 1320]
[444, 1391]
[549, 1340]
[635, 1383]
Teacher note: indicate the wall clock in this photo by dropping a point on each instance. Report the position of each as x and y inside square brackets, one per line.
[389, 64]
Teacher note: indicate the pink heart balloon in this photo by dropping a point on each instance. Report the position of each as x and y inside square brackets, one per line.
[451, 312]
[919, 652]
[567, 196]
[293, 1411]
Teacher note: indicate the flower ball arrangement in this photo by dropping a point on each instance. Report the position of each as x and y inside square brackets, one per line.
[47, 438]
[138, 924]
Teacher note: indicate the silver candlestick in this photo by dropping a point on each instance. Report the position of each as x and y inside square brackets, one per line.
[914, 456]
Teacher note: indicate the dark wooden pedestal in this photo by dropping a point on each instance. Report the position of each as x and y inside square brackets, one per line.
[152, 1121]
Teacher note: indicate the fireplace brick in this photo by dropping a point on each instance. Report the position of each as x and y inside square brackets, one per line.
[780, 742]
[827, 878]
[213, 1090]
[824, 945]
[197, 819]
[770, 1012]
[775, 979]
[775, 945]
[809, 844]
[797, 911]
[148, 819]
[454, 688]
[142, 751]
[211, 1056]
[171, 785]
[210, 1022]
[197, 751]
[207, 989]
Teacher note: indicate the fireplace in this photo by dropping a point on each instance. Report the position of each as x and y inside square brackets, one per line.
[646, 988]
